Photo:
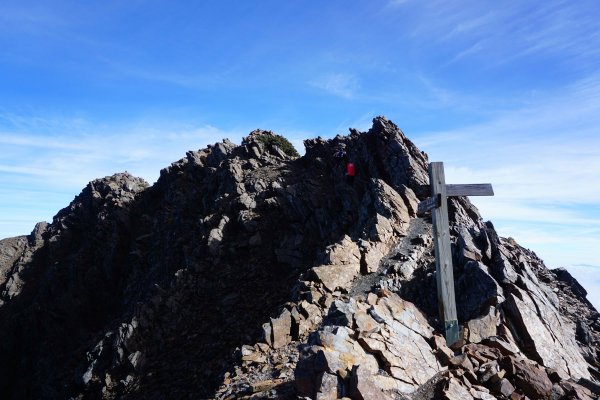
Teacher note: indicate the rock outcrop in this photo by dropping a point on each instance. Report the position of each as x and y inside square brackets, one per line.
[246, 272]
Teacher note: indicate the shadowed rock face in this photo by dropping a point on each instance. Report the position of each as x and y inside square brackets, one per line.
[244, 272]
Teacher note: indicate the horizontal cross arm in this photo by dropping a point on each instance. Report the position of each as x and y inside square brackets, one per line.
[473, 189]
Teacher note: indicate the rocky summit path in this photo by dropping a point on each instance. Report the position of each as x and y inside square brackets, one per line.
[248, 272]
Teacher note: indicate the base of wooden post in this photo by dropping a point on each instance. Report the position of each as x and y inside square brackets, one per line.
[451, 332]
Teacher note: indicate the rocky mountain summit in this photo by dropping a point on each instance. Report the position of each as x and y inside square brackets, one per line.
[248, 272]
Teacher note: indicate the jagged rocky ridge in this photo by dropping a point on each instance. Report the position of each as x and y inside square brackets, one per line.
[245, 273]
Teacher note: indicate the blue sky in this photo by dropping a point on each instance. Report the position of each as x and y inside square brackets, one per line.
[503, 92]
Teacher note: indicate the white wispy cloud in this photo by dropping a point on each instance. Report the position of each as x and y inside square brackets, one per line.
[340, 84]
[471, 24]
[29, 120]
[472, 49]
[185, 80]
[515, 30]
[12, 139]
[23, 170]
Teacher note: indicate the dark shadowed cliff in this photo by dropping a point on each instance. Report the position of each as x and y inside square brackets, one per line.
[245, 272]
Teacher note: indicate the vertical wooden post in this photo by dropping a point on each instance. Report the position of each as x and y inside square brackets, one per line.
[443, 254]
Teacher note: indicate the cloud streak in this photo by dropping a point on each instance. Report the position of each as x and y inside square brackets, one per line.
[339, 84]
[566, 30]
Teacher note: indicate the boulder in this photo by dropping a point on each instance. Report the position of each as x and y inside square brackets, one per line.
[344, 252]
[503, 387]
[455, 390]
[329, 387]
[544, 335]
[334, 277]
[467, 249]
[365, 324]
[339, 352]
[311, 313]
[476, 290]
[341, 312]
[483, 327]
[363, 386]
[461, 361]
[528, 376]
[401, 344]
[443, 352]
[372, 253]
[281, 328]
[506, 348]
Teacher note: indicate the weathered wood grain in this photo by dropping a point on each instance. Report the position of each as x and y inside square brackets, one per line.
[470, 189]
[443, 254]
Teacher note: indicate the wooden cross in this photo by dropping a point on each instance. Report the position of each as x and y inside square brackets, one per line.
[438, 204]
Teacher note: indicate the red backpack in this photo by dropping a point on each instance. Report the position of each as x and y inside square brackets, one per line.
[350, 170]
